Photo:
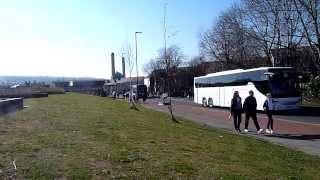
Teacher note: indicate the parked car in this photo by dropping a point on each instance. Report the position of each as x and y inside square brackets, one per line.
[165, 99]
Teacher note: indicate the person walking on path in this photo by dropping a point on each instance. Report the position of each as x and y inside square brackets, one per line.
[250, 109]
[236, 110]
[268, 107]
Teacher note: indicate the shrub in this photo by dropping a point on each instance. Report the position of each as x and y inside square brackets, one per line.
[313, 87]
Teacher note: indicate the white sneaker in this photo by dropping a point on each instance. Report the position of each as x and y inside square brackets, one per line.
[271, 131]
[268, 131]
[260, 131]
[245, 130]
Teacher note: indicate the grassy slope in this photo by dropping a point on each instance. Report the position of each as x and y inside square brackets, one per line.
[77, 136]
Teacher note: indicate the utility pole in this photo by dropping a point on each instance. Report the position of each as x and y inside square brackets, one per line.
[165, 43]
[167, 61]
[165, 31]
[137, 69]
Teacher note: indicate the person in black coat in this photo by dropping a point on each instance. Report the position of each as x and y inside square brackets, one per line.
[236, 110]
[250, 109]
[268, 107]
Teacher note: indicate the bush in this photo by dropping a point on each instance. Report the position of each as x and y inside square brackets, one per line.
[313, 87]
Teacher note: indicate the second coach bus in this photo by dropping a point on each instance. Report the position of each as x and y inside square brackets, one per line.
[217, 89]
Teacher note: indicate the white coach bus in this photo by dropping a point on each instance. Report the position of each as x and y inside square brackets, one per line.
[217, 89]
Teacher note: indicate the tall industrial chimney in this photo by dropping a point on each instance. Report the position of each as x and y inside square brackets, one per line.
[123, 67]
[112, 67]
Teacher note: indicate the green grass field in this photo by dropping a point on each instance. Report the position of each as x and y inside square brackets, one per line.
[75, 136]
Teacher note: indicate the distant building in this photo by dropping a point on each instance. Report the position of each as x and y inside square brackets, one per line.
[122, 86]
[181, 83]
[81, 85]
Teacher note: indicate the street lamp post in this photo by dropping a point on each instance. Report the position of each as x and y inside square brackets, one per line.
[135, 36]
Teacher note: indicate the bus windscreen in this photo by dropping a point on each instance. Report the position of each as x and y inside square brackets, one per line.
[284, 84]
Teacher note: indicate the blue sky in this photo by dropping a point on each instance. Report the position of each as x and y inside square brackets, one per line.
[76, 37]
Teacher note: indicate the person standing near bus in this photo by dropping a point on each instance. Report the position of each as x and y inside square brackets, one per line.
[250, 109]
[269, 108]
[236, 110]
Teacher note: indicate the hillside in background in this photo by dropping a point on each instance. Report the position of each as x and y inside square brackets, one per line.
[45, 79]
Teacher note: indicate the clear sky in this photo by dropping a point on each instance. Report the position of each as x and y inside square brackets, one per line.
[75, 37]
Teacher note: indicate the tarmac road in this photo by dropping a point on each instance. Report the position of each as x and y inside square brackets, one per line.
[298, 131]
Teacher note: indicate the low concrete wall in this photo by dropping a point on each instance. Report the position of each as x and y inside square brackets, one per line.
[31, 95]
[10, 105]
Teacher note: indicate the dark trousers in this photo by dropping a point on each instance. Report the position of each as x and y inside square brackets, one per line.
[254, 118]
[236, 119]
[270, 120]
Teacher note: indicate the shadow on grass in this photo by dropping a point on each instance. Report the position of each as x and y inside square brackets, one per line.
[297, 136]
[7, 111]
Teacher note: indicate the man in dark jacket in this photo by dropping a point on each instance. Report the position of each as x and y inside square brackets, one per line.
[236, 110]
[250, 108]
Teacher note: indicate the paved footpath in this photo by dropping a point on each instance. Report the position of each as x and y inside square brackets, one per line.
[292, 134]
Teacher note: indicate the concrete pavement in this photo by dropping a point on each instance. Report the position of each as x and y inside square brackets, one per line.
[293, 134]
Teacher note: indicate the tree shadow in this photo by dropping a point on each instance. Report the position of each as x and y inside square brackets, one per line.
[297, 136]
[8, 110]
[304, 111]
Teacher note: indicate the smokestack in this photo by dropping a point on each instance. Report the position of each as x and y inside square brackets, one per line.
[112, 67]
[123, 67]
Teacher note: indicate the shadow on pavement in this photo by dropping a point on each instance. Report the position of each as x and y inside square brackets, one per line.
[304, 111]
[297, 136]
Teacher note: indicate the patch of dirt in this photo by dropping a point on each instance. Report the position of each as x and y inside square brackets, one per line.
[30, 126]
[2, 131]
[96, 177]
[60, 178]
[99, 164]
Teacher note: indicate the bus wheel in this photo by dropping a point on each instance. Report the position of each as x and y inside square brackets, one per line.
[204, 102]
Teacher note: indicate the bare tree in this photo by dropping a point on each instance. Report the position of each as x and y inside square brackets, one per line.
[169, 59]
[309, 12]
[228, 40]
[255, 29]
[154, 69]
[127, 50]
[261, 19]
[282, 26]
[197, 65]
[215, 43]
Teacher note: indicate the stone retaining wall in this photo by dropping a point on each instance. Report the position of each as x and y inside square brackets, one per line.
[10, 105]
